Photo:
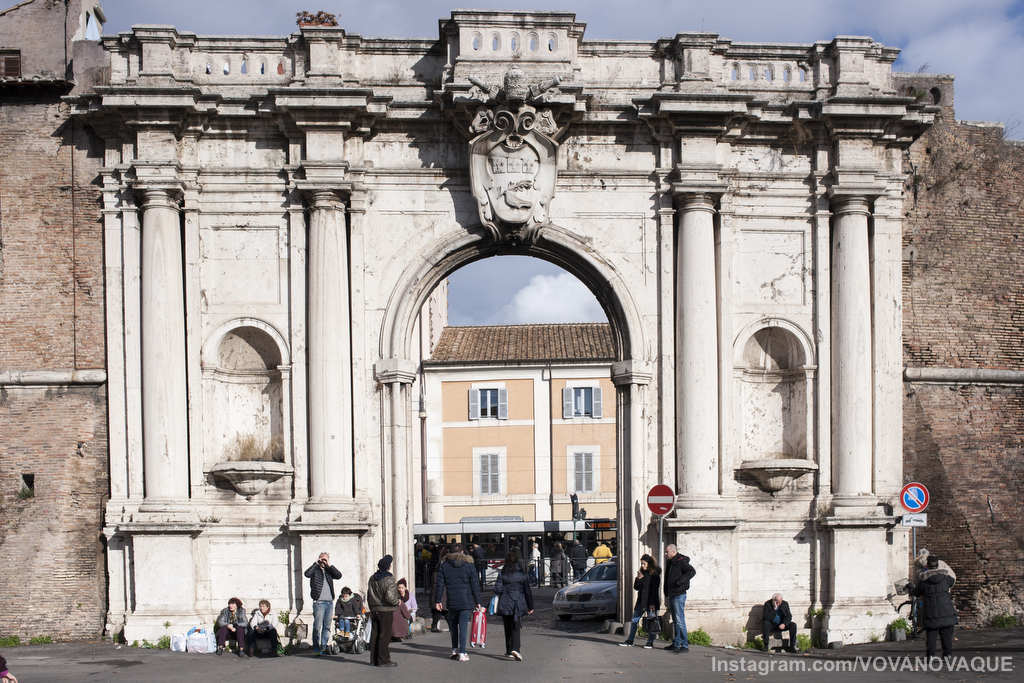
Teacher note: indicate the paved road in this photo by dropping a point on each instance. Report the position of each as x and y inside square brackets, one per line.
[554, 651]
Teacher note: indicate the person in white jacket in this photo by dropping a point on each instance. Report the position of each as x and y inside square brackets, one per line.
[261, 628]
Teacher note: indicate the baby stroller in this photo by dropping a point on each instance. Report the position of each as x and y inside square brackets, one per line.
[354, 641]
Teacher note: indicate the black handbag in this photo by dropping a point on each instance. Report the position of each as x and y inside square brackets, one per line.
[652, 623]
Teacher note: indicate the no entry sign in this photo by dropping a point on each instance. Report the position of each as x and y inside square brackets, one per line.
[661, 499]
[914, 497]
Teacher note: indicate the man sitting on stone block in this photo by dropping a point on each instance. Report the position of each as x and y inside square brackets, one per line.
[776, 618]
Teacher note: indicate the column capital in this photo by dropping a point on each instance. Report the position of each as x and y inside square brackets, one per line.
[843, 204]
[629, 372]
[691, 199]
[155, 197]
[395, 371]
[323, 198]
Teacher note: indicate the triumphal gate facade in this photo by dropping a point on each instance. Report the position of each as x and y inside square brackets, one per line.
[278, 210]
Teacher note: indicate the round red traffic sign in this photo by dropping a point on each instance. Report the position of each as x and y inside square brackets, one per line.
[914, 497]
[661, 499]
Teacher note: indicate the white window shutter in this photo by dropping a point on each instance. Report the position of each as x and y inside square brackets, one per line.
[485, 479]
[588, 477]
[474, 404]
[502, 404]
[577, 472]
[597, 402]
[495, 473]
[566, 403]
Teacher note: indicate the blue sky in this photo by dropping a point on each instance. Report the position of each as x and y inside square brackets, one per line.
[981, 42]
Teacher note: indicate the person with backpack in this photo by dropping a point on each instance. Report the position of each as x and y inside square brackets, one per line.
[648, 600]
[678, 572]
[458, 581]
[515, 599]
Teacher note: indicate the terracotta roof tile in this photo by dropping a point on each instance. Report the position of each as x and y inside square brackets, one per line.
[517, 343]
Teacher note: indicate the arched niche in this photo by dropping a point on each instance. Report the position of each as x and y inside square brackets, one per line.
[774, 373]
[246, 391]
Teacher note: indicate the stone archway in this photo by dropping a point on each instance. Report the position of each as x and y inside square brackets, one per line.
[630, 374]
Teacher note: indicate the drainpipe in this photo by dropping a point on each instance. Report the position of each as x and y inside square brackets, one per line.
[551, 441]
[423, 428]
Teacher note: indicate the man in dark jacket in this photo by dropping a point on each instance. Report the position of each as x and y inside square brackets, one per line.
[578, 558]
[382, 598]
[776, 616]
[321, 575]
[678, 572]
[480, 563]
[457, 578]
[559, 566]
[939, 615]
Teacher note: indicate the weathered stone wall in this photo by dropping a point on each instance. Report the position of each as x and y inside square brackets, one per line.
[51, 289]
[963, 307]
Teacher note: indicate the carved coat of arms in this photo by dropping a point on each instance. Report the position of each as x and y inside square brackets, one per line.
[513, 158]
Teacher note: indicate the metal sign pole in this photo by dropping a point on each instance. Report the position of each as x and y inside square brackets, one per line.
[661, 538]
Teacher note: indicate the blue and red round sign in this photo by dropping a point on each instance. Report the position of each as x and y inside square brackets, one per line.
[914, 497]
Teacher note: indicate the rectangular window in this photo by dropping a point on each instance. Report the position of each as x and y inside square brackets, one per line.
[488, 403]
[583, 469]
[583, 402]
[10, 63]
[490, 474]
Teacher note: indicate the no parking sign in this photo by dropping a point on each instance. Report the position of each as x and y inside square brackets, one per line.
[914, 497]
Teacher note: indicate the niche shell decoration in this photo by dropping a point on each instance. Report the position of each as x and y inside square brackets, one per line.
[513, 156]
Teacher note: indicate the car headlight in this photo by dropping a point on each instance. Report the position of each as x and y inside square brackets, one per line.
[560, 595]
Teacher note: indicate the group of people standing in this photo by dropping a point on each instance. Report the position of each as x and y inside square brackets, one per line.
[647, 585]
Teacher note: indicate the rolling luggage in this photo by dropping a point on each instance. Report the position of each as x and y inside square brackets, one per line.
[478, 629]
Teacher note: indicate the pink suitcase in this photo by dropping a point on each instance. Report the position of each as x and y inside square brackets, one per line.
[478, 629]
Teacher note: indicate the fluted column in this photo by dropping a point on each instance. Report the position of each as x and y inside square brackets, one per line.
[329, 354]
[851, 351]
[164, 403]
[697, 352]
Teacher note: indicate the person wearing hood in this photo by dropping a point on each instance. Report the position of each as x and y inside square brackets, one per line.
[458, 581]
[648, 600]
[938, 612]
[382, 598]
[678, 572]
[515, 599]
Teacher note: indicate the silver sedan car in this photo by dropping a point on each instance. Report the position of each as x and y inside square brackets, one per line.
[595, 594]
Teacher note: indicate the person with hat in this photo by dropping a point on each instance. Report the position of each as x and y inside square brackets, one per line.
[382, 598]
[938, 613]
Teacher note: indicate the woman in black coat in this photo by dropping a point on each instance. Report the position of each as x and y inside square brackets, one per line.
[939, 614]
[648, 599]
[515, 599]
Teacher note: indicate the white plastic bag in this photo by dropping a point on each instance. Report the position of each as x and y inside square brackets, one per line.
[178, 642]
[200, 640]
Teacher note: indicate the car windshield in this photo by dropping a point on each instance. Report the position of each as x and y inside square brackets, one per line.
[602, 572]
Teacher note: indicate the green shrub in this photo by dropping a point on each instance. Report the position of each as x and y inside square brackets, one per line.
[135, 643]
[1005, 621]
[164, 643]
[10, 641]
[699, 637]
[899, 625]
[803, 642]
[40, 640]
[283, 617]
[875, 637]
[24, 493]
[756, 644]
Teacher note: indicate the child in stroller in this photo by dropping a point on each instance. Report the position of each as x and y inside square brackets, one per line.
[352, 625]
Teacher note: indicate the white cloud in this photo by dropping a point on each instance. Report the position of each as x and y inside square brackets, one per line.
[559, 298]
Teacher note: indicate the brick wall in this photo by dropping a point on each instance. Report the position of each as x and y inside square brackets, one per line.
[963, 307]
[52, 318]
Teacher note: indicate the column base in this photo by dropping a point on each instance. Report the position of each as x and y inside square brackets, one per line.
[149, 625]
[857, 621]
[334, 512]
[856, 505]
[166, 511]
